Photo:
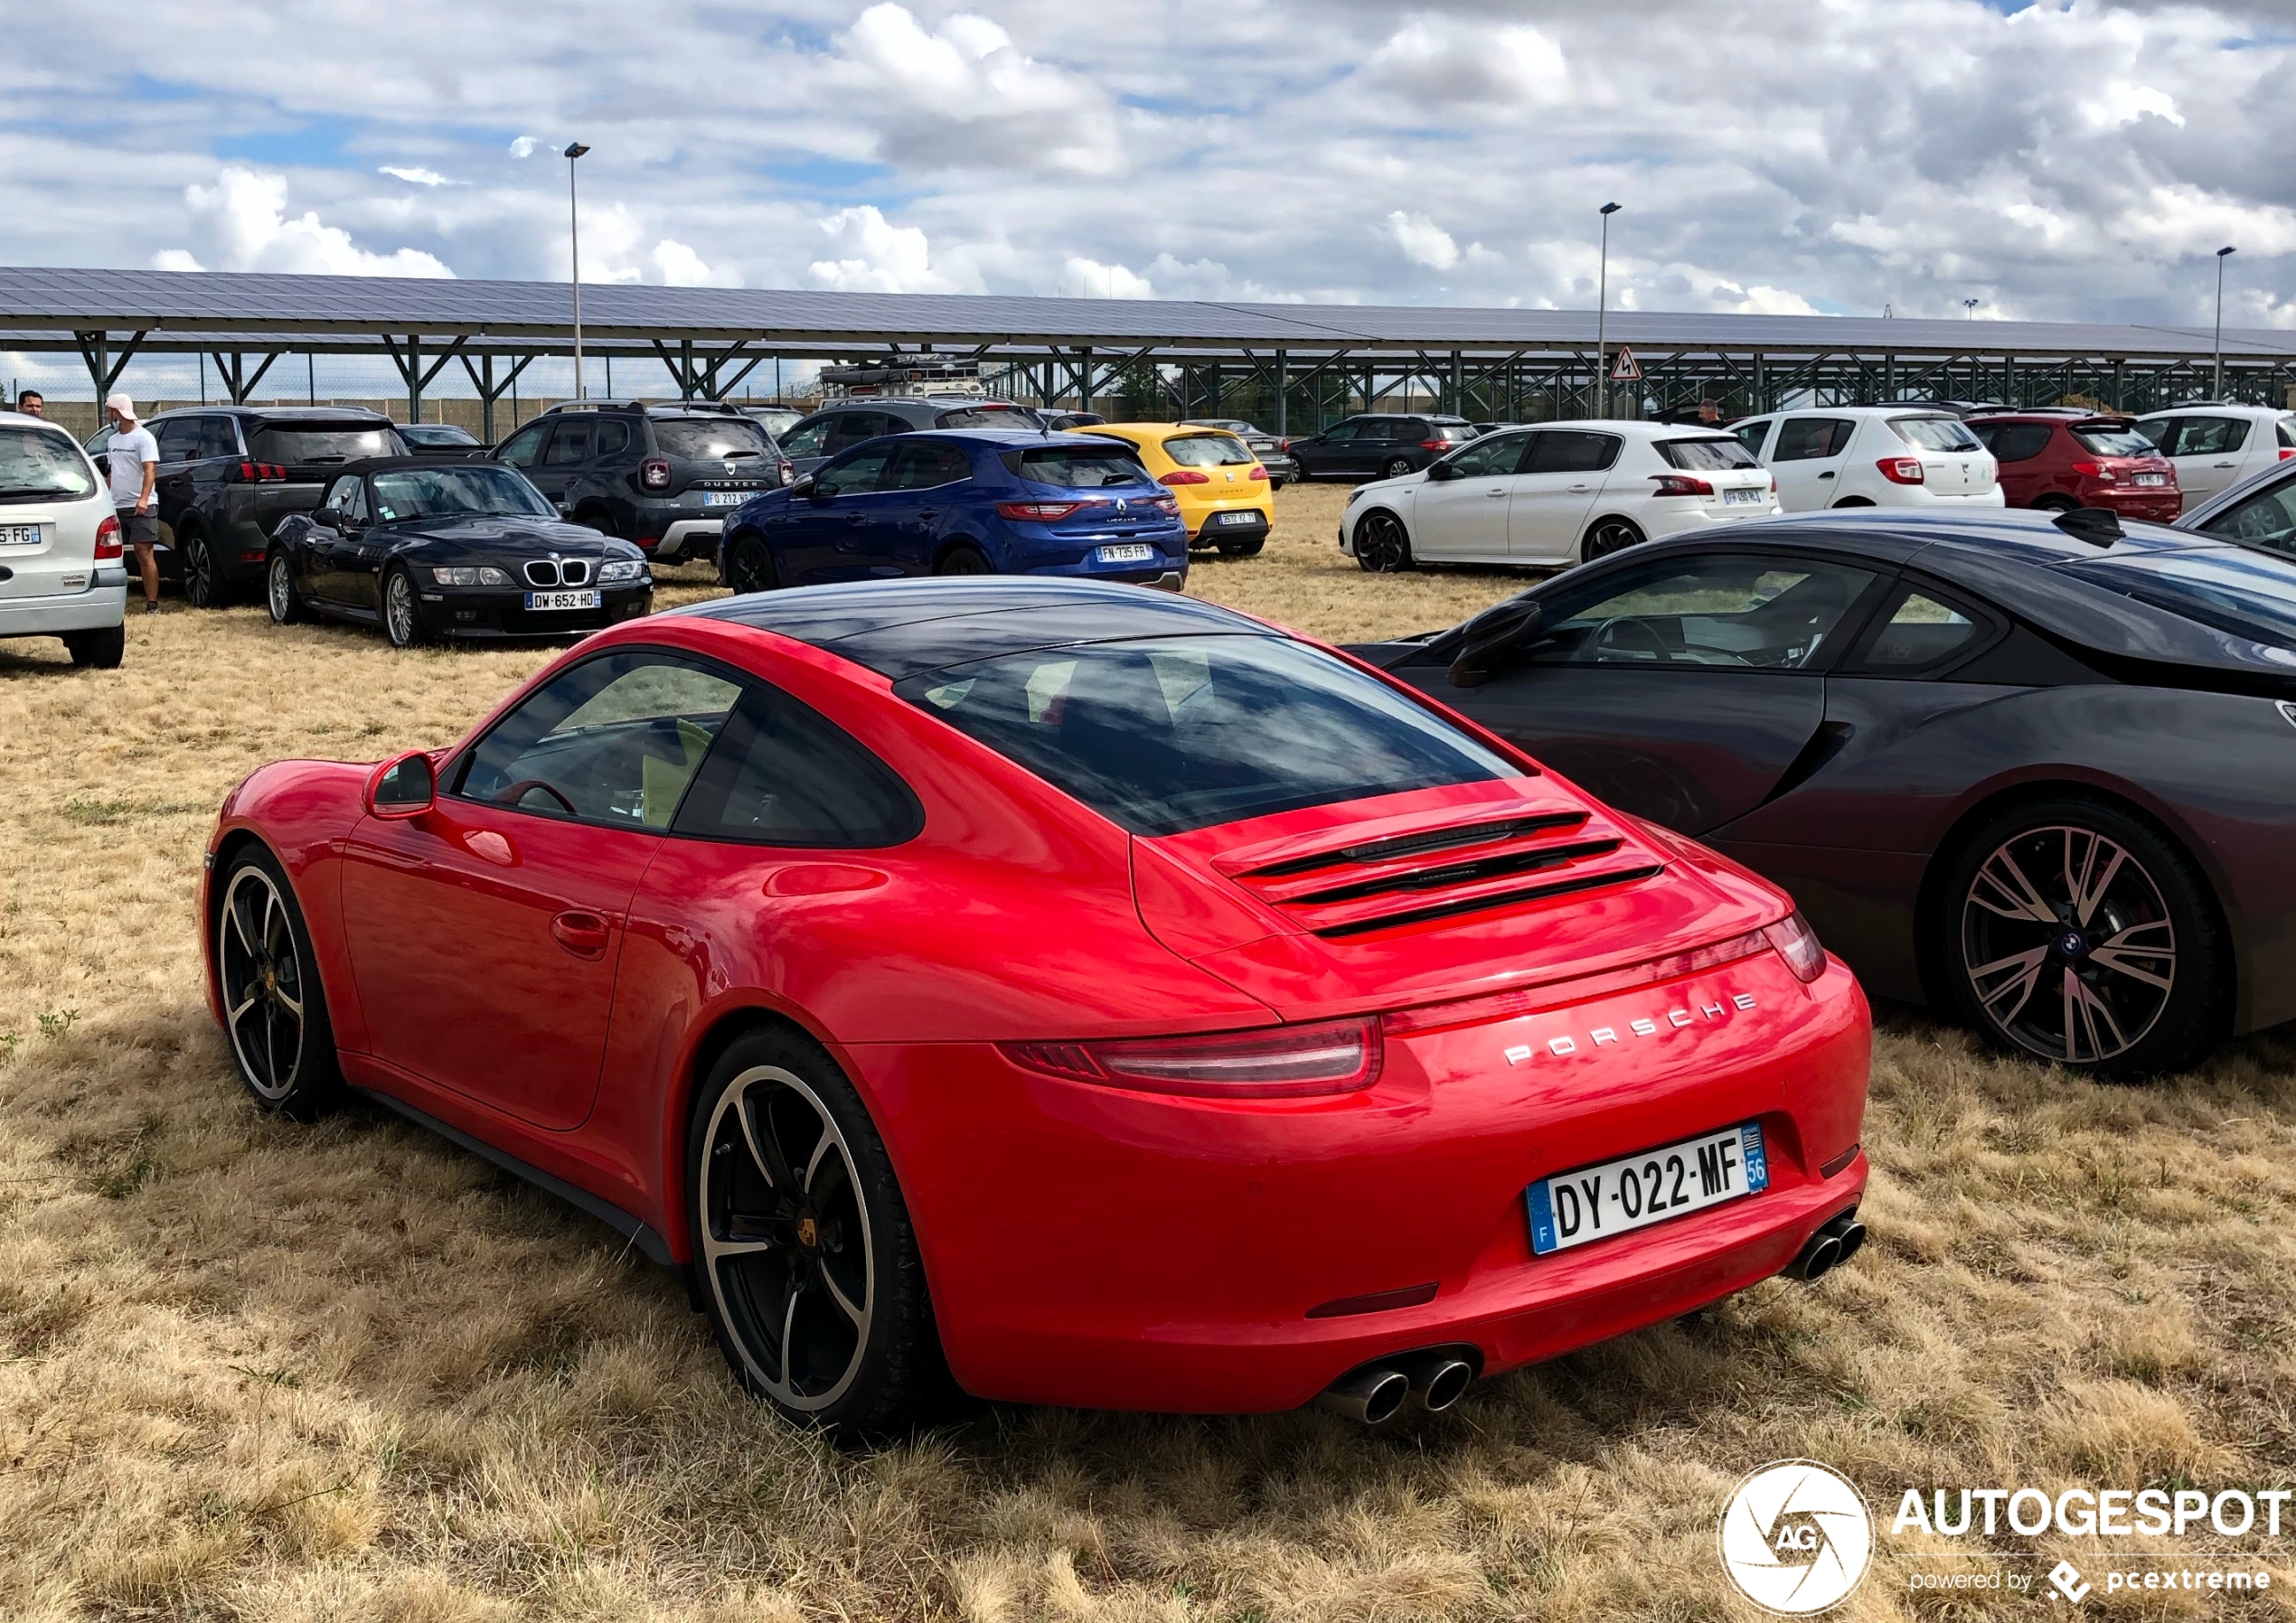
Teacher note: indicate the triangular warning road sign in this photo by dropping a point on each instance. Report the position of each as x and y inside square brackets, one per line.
[1627, 370]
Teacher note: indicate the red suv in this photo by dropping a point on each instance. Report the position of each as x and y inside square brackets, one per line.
[2062, 460]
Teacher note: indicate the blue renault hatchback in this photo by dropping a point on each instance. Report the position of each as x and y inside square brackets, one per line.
[962, 501]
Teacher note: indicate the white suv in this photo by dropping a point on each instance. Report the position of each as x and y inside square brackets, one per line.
[60, 574]
[1873, 456]
[1554, 493]
[2214, 447]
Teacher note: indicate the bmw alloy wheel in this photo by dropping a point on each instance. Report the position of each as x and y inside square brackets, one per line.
[401, 620]
[260, 967]
[785, 1242]
[2068, 944]
[278, 589]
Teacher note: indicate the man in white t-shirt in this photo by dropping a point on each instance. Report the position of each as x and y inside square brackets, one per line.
[134, 456]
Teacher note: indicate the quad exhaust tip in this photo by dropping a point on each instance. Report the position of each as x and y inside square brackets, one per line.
[1829, 1248]
[1428, 1381]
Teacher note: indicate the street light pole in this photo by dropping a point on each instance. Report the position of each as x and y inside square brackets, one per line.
[574, 229]
[1970, 306]
[1601, 314]
[2217, 391]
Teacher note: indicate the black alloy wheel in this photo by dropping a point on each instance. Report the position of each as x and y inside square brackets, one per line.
[279, 590]
[749, 567]
[274, 1009]
[963, 561]
[2079, 933]
[1382, 545]
[1397, 467]
[99, 650]
[401, 608]
[203, 583]
[1299, 475]
[1608, 536]
[808, 1263]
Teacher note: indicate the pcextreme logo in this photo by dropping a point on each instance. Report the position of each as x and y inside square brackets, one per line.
[1795, 1538]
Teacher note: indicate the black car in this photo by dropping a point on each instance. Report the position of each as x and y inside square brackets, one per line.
[1378, 445]
[2041, 772]
[664, 476]
[1275, 455]
[228, 475]
[850, 422]
[440, 439]
[428, 549]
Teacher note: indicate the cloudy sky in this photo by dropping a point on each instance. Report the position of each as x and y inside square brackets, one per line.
[2074, 161]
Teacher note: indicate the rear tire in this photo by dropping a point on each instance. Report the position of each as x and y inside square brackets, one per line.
[2056, 504]
[401, 609]
[203, 583]
[963, 561]
[806, 1257]
[2075, 931]
[278, 591]
[1382, 545]
[1397, 467]
[275, 1012]
[100, 650]
[1607, 536]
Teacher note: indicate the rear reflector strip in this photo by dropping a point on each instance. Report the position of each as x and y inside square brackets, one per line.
[1404, 845]
[1507, 899]
[1378, 1302]
[1838, 1162]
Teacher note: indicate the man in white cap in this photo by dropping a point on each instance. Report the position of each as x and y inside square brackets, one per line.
[134, 455]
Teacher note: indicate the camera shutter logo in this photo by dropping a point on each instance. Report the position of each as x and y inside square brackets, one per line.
[1795, 1538]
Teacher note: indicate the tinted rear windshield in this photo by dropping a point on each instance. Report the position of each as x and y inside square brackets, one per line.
[42, 465]
[1079, 467]
[709, 438]
[1208, 451]
[319, 442]
[1456, 433]
[1936, 433]
[1705, 455]
[2115, 442]
[1167, 733]
[2247, 594]
[987, 416]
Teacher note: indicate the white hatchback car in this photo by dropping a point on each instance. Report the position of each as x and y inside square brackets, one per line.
[2215, 447]
[1873, 456]
[1554, 493]
[60, 574]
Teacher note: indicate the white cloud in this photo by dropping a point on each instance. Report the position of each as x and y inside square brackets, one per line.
[1422, 242]
[242, 219]
[870, 254]
[416, 175]
[2121, 102]
[680, 267]
[1085, 278]
[1441, 60]
[524, 147]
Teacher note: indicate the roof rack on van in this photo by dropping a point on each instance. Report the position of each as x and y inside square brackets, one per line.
[721, 408]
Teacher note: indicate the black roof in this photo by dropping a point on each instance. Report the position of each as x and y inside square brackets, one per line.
[899, 628]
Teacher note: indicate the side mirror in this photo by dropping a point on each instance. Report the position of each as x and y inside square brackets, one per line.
[1443, 470]
[803, 487]
[1491, 637]
[402, 786]
[326, 518]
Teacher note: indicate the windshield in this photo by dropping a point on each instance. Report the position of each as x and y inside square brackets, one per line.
[1705, 455]
[1935, 434]
[436, 433]
[1087, 466]
[443, 491]
[709, 438]
[2115, 442]
[1208, 451]
[1167, 733]
[42, 465]
[2246, 595]
[323, 444]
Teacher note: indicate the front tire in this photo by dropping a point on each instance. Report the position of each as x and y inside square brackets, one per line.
[275, 1012]
[99, 650]
[401, 609]
[203, 583]
[1608, 536]
[1382, 545]
[278, 591]
[749, 566]
[2075, 931]
[808, 1265]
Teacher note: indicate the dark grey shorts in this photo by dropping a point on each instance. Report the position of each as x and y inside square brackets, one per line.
[139, 529]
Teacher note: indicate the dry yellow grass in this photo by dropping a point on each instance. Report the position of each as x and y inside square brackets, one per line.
[252, 1370]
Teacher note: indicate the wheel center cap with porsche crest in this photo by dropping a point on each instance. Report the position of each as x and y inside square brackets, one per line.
[808, 1232]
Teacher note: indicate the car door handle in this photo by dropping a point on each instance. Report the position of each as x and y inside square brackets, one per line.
[1827, 474]
[1496, 493]
[584, 934]
[2228, 465]
[852, 518]
[1582, 487]
[928, 513]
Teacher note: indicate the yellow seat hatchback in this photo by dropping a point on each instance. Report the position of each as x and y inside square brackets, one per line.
[1223, 489]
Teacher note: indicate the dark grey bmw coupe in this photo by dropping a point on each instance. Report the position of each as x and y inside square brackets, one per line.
[2042, 773]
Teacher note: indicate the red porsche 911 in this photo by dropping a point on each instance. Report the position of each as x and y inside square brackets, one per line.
[1097, 995]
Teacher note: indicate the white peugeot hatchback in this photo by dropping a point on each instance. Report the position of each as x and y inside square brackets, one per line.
[1554, 493]
[1873, 456]
[60, 574]
[2214, 447]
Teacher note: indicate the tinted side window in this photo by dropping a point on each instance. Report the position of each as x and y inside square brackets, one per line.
[1731, 611]
[218, 436]
[922, 467]
[2013, 442]
[783, 775]
[2202, 436]
[519, 449]
[807, 438]
[851, 428]
[1343, 431]
[853, 474]
[1500, 455]
[613, 436]
[571, 442]
[1803, 438]
[1751, 434]
[1571, 451]
[1920, 633]
[178, 438]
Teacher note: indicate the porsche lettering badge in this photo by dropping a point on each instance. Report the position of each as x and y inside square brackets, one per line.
[1562, 1048]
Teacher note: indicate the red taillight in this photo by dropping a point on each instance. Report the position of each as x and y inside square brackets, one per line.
[1283, 445]
[2093, 470]
[1680, 484]
[1289, 1062]
[1164, 504]
[1435, 444]
[1185, 476]
[654, 473]
[1039, 513]
[2286, 451]
[1902, 470]
[1257, 472]
[1797, 943]
[253, 472]
[107, 538]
